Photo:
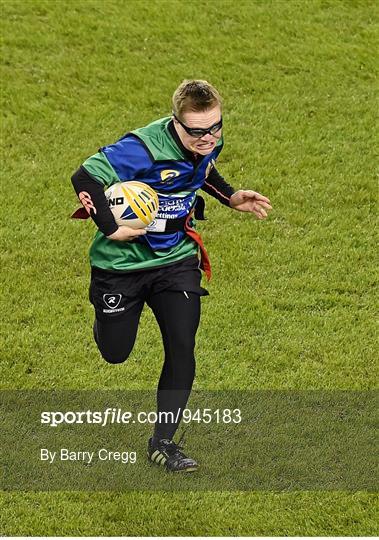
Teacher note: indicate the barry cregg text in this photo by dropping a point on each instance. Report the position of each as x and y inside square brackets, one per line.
[88, 456]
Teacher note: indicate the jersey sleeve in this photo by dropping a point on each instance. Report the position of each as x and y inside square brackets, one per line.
[127, 159]
[216, 186]
[91, 194]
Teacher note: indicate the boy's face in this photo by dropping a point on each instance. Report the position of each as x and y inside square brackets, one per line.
[207, 119]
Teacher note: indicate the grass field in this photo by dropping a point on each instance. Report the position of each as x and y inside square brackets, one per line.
[292, 299]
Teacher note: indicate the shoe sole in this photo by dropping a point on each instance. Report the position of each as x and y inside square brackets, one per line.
[188, 469]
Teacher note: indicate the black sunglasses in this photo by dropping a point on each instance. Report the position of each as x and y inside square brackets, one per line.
[200, 132]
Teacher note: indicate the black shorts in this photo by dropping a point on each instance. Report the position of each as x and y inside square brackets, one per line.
[114, 294]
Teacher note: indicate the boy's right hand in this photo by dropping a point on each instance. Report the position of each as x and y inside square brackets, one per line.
[125, 234]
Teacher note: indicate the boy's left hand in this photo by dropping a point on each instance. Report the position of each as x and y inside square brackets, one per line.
[250, 201]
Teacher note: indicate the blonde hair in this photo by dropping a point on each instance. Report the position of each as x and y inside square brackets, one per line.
[194, 95]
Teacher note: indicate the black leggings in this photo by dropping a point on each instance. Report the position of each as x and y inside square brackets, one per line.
[178, 315]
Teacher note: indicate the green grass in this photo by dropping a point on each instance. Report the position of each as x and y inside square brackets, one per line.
[292, 299]
[190, 514]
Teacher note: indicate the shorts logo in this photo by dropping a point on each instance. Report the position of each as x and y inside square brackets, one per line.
[112, 301]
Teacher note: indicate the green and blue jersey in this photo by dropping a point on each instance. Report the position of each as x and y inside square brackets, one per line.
[151, 155]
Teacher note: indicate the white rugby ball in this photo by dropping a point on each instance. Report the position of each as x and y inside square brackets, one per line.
[133, 203]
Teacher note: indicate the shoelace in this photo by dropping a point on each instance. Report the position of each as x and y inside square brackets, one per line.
[174, 448]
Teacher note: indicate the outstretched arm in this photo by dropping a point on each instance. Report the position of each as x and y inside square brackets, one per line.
[242, 200]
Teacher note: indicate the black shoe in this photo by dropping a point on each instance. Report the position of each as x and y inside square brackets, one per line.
[168, 454]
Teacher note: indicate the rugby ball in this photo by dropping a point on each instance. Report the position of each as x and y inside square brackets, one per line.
[133, 203]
